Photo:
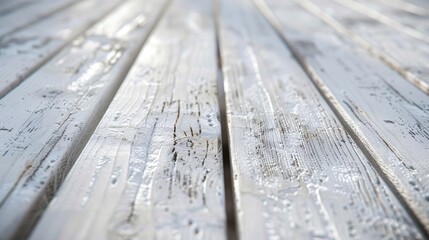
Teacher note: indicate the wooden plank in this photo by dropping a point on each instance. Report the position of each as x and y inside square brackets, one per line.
[9, 6]
[404, 54]
[46, 121]
[421, 3]
[297, 173]
[153, 168]
[376, 10]
[405, 6]
[28, 14]
[386, 115]
[23, 52]
[361, 8]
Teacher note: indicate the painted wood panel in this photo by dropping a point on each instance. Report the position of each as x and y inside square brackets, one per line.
[25, 15]
[297, 173]
[23, 52]
[404, 54]
[153, 168]
[46, 121]
[388, 117]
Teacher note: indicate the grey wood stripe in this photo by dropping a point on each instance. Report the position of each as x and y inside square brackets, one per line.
[153, 168]
[24, 51]
[380, 11]
[31, 13]
[404, 54]
[46, 121]
[297, 173]
[388, 116]
[414, 31]
[405, 6]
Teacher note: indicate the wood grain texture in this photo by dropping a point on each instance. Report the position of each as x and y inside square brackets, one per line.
[153, 168]
[27, 14]
[387, 116]
[297, 173]
[404, 54]
[47, 119]
[23, 52]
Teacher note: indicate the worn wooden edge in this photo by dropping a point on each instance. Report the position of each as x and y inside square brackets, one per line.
[48, 118]
[25, 51]
[28, 14]
[153, 168]
[297, 173]
[403, 166]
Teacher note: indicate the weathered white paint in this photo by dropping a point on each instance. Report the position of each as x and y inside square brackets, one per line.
[27, 14]
[45, 121]
[153, 168]
[388, 116]
[24, 51]
[297, 173]
[406, 55]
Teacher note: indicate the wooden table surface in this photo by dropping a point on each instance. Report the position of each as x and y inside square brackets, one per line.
[214, 119]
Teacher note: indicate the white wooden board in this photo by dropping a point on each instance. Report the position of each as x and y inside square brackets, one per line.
[24, 51]
[46, 121]
[388, 117]
[297, 173]
[404, 54]
[28, 14]
[153, 168]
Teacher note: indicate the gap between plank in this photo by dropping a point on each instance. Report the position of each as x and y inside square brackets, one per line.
[231, 220]
[266, 12]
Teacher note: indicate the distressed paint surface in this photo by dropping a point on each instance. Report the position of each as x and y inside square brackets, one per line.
[23, 52]
[47, 120]
[386, 114]
[27, 14]
[297, 173]
[153, 168]
[406, 55]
